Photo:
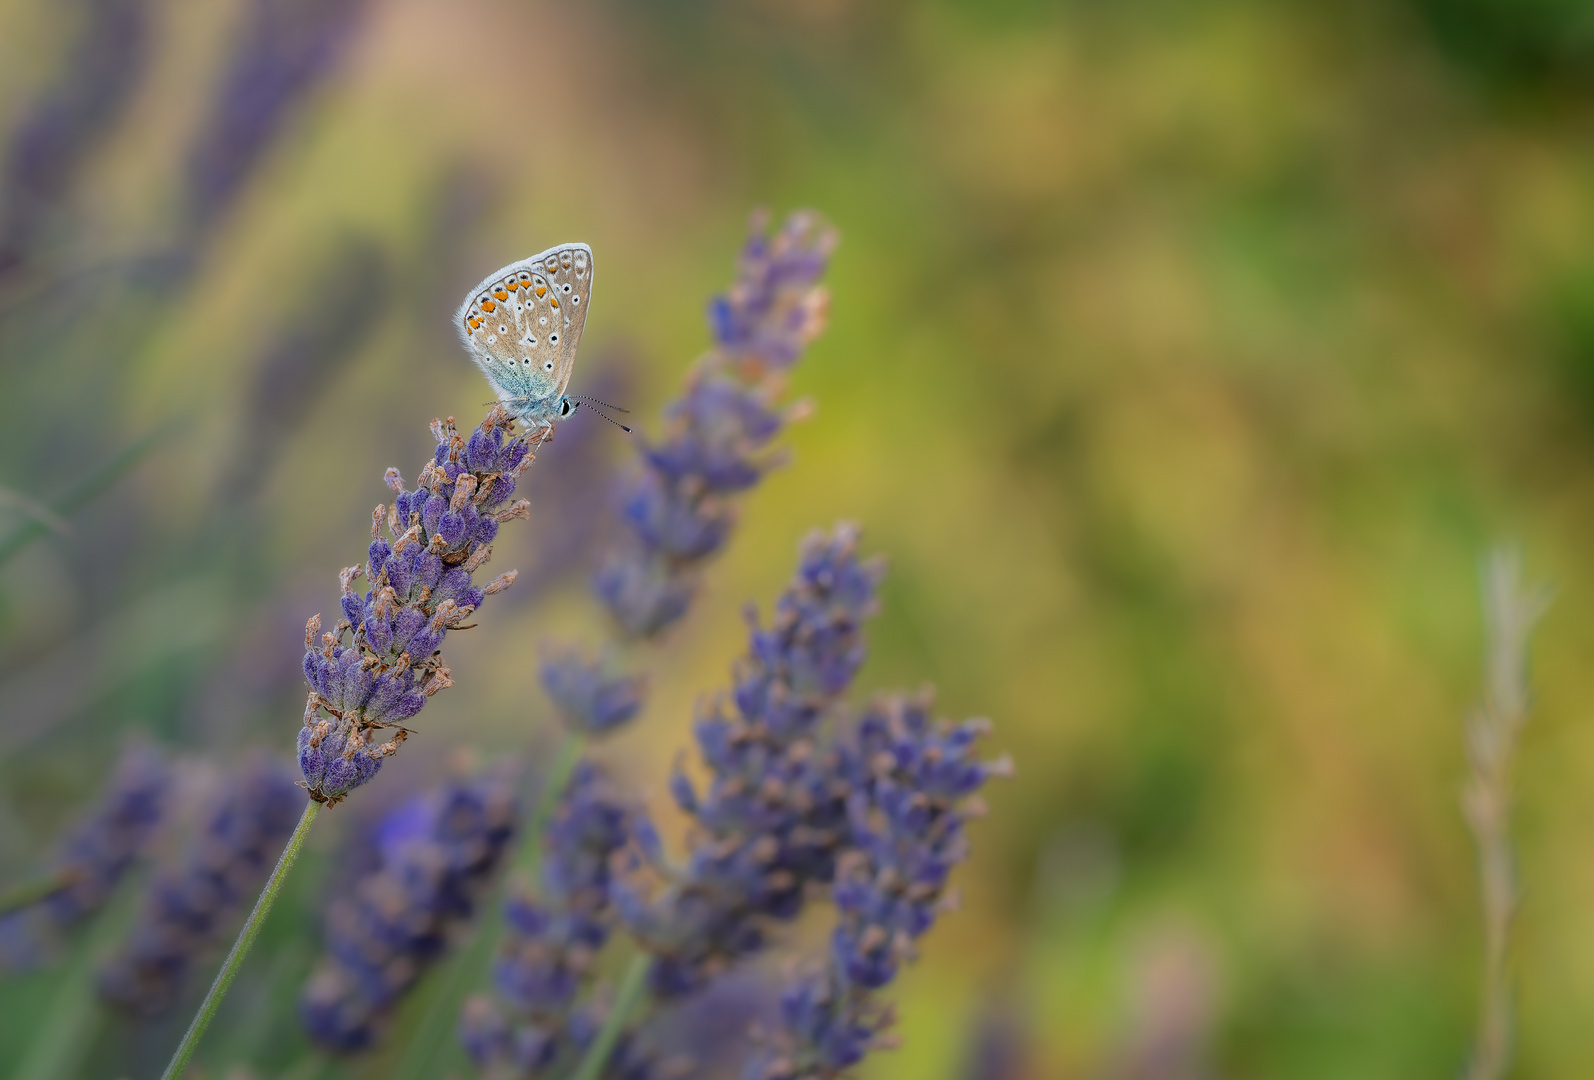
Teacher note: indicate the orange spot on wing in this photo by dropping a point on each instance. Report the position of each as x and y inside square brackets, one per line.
[542, 290]
[488, 305]
[554, 300]
[474, 322]
[502, 294]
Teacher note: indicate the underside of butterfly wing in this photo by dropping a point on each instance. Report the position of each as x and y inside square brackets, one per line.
[523, 323]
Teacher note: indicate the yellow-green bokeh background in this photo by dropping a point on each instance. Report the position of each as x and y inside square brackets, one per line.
[1184, 361]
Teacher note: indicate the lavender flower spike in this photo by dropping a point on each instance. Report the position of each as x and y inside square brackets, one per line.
[384, 660]
[775, 813]
[680, 510]
[915, 785]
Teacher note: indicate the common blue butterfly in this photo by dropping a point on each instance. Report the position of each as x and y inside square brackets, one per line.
[522, 325]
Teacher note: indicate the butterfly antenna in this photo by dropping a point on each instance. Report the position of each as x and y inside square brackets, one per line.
[595, 401]
[612, 420]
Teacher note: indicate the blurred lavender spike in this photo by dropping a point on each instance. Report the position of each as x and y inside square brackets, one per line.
[383, 660]
[188, 908]
[437, 851]
[774, 815]
[284, 49]
[914, 787]
[538, 1024]
[95, 853]
[680, 511]
[68, 120]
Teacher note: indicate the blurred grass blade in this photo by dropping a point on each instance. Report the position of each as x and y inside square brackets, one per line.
[632, 985]
[76, 496]
[35, 510]
[28, 893]
[70, 1024]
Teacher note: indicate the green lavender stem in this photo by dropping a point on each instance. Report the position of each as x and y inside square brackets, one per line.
[625, 1000]
[240, 948]
[465, 972]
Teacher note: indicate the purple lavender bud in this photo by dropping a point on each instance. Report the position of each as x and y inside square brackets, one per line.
[486, 531]
[509, 460]
[432, 514]
[409, 621]
[451, 527]
[312, 759]
[380, 632]
[644, 596]
[589, 696]
[481, 452]
[426, 641]
[678, 528]
[377, 554]
[428, 570]
[400, 571]
[682, 791]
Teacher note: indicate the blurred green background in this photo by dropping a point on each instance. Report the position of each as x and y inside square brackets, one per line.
[1184, 360]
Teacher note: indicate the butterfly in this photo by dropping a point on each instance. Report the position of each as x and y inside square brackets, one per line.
[522, 325]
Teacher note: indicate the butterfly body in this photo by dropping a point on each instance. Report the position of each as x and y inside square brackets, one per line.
[521, 326]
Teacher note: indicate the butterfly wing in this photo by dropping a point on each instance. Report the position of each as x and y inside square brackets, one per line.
[522, 324]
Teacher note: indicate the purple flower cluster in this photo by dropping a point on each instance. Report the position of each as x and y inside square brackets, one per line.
[553, 940]
[774, 815]
[188, 907]
[914, 790]
[436, 851]
[384, 660]
[679, 511]
[772, 311]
